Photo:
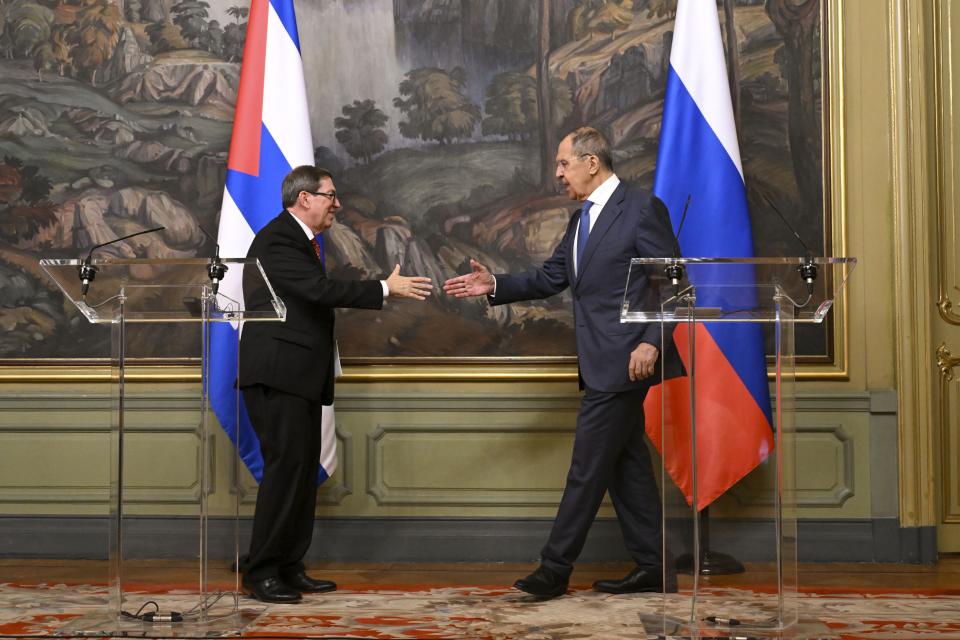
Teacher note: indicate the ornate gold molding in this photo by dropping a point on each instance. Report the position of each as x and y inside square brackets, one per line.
[913, 196]
[946, 361]
[945, 116]
[835, 161]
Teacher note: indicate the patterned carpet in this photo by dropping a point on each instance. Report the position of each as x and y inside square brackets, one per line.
[482, 613]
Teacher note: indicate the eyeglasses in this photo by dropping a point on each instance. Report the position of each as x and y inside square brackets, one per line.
[330, 194]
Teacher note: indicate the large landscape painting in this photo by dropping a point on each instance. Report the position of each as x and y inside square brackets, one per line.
[439, 119]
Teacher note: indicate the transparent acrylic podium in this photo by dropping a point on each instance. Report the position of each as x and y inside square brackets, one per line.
[129, 295]
[711, 425]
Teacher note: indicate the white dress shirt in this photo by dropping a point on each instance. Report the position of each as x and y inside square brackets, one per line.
[599, 198]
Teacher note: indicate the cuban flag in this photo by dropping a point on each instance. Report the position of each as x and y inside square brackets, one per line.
[699, 157]
[271, 136]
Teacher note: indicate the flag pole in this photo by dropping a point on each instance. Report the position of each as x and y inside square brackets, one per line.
[712, 563]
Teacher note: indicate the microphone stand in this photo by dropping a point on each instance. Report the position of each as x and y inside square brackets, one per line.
[215, 269]
[808, 270]
[87, 271]
[675, 271]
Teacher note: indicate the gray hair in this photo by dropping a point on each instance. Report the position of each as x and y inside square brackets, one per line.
[589, 141]
[304, 178]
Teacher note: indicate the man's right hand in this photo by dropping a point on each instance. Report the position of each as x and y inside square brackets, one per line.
[478, 283]
[416, 287]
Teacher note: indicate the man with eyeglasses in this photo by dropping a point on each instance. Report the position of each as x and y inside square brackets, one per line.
[617, 362]
[287, 375]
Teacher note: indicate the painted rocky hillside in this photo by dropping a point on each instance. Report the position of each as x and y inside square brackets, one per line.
[116, 116]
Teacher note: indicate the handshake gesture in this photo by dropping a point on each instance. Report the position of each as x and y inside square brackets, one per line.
[478, 282]
[416, 287]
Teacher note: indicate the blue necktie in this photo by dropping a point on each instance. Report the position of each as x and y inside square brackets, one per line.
[583, 232]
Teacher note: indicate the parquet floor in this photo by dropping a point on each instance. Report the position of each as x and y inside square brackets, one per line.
[945, 574]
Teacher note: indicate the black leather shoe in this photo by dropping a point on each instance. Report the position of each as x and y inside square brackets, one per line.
[640, 580]
[305, 584]
[271, 590]
[543, 583]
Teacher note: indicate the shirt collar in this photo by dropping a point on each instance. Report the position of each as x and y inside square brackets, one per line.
[602, 193]
[310, 234]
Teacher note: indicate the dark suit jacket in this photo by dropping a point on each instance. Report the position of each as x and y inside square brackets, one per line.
[632, 224]
[296, 356]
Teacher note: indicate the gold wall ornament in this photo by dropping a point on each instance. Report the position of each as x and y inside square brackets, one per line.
[944, 304]
[948, 157]
[946, 361]
[949, 445]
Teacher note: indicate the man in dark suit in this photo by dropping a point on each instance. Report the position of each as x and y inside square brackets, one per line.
[617, 362]
[287, 375]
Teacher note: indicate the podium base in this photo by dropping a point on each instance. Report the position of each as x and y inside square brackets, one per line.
[100, 625]
[665, 626]
[712, 563]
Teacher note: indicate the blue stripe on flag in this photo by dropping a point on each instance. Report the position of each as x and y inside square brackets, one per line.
[692, 161]
[223, 397]
[258, 197]
[288, 18]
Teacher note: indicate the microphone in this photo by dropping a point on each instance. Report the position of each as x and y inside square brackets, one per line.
[808, 270]
[88, 272]
[729, 622]
[215, 269]
[675, 271]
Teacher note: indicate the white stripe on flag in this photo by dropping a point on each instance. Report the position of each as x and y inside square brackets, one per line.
[234, 236]
[285, 112]
[705, 75]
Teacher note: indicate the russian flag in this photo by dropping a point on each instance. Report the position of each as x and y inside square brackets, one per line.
[699, 156]
[271, 136]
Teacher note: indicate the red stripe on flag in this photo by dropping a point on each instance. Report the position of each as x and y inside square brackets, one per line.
[248, 117]
[733, 435]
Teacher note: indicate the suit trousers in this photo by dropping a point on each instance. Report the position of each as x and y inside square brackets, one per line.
[288, 427]
[609, 455]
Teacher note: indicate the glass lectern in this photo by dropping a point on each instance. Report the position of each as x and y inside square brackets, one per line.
[730, 319]
[127, 294]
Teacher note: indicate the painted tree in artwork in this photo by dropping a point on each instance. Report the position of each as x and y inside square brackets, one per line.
[600, 16]
[27, 24]
[360, 130]
[661, 8]
[548, 134]
[191, 16]
[44, 59]
[234, 37]
[166, 36]
[238, 13]
[798, 22]
[435, 107]
[24, 206]
[512, 105]
[99, 31]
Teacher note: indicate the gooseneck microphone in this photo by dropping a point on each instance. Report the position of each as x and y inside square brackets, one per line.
[675, 271]
[215, 269]
[88, 272]
[808, 270]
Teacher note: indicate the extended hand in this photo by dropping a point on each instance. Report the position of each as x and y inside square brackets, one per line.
[642, 361]
[416, 287]
[477, 283]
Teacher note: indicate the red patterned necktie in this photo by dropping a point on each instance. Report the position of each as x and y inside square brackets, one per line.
[316, 247]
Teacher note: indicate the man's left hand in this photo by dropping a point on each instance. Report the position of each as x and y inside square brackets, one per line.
[643, 359]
